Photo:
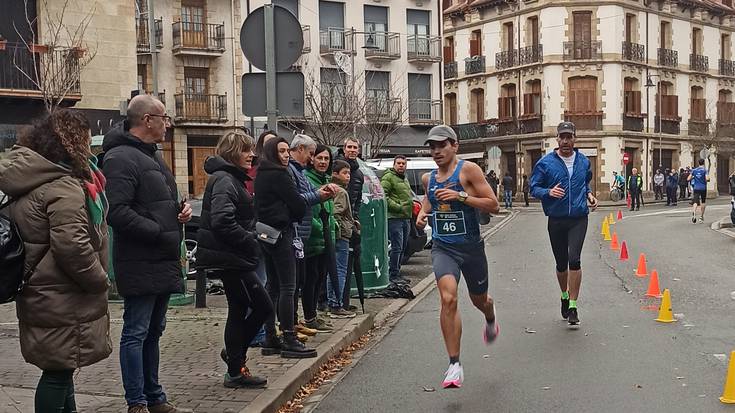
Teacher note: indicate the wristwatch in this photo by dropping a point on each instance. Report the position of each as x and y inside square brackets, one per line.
[463, 196]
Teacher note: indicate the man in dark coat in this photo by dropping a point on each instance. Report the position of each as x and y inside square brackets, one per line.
[351, 150]
[146, 218]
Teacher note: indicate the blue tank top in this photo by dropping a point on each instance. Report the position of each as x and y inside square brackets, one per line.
[453, 222]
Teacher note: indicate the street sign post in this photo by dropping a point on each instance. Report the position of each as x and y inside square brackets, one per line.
[626, 158]
[289, 94]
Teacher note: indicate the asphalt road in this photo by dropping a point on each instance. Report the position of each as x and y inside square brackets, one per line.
[619, 360]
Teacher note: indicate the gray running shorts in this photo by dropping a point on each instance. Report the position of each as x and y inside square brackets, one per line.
[462, 259]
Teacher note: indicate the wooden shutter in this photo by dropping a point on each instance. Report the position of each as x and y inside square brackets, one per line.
[528, 104]
[501, 109]
[629, 20]
[698, 109]
[474, 47]
[448, 54]
[583, 27]
[534, 31]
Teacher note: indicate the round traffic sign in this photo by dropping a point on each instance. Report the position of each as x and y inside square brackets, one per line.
[289, 40]
[626, 158]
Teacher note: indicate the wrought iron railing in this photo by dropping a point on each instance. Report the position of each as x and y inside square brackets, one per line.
[336, 40]
[583, 50]
[467, 131]
[424, 48]
[634, 52]
[424, 111]
[506, 59]
[508, 126]
[632, 123]
[531, 54]
[698, 127]
[382, 45]
[20, 68]
[669, 126]
[199, 36]
[450, 70]
[698, 63]
[142, 34]
[474, 65]
[383, 110]
[727, 67]
[200, 107]
[531, 123]
[585, 121]
[668, 57]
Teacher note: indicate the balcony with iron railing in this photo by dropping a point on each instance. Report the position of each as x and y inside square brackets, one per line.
[668, 57]
[507, 126]
[506, 59]
[698, 63]
[634, 52]
[583, 50]
[336, 39]
[725, 119]
[531, 54]
[450, 70]
[584, 120]
[475, 130]
[203, 39]
[383, 110]
[698, 127]
[669, 124]
[474, 65]
[531, 123]
[22, 70]
[633, 121]
[306, 31]
[424, 111]
[200, 108]
[727, 67]
[424, 48]
[142, 34]
[382, 46]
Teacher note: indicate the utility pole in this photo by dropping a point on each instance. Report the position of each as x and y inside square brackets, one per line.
[154, 49]
[270, 68]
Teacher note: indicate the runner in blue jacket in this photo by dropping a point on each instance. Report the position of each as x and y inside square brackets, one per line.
[561, 181]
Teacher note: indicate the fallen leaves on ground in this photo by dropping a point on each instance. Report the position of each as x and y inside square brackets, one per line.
[328, 370]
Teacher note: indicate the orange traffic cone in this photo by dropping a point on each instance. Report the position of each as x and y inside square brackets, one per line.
[627, 200]
[620, 215]
[641, 271]
[623, 252]
[614, 244]
[653, 289]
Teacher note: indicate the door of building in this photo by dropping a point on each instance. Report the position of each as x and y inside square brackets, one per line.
[198, 177]
[193, 22]
[723, 173]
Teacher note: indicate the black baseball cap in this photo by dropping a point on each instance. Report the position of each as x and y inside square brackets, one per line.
[566, 127]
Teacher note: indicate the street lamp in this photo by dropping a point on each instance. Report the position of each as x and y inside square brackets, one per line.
[650, 84]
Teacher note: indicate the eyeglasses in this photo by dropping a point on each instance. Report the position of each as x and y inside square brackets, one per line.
[166, 118]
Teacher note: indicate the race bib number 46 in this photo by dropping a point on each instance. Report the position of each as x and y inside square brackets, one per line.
[450, 223]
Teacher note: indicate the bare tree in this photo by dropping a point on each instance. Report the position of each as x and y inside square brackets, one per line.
[335, 108]
[53, 62]
[716, 135]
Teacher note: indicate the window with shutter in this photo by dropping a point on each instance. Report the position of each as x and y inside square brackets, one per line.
[583, 95]
[476, 43]
[582, 35]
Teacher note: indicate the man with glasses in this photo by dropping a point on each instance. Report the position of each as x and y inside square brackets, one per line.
[561, 180]
[146, 217]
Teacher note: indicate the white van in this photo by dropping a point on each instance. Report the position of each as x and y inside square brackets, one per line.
[415, 169]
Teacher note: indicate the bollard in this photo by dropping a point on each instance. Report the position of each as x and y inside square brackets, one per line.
[200, 294]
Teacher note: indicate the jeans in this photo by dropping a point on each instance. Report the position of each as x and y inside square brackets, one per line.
[55, 392]
[508, 198]
[658, 191]
[248, 305]
[144, 319]
[260, 272]
[342, 249]
[398, 235]
[670, 195]
[280, 264]
[354, 264]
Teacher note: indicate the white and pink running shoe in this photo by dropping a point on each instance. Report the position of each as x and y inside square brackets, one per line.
[454, 376]
[491, 330]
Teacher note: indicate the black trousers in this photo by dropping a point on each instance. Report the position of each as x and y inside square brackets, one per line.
[280, 265]
[244, 292]
[682, 191]
[635, 198]
[55, 392]
[525, 198]
[353, 266]
[670, 195]
[567, 238]
[314, 281]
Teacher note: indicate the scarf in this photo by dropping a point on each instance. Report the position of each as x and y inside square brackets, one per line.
[96, 199]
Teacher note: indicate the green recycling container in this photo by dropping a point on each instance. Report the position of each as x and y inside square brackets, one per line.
[374, 222]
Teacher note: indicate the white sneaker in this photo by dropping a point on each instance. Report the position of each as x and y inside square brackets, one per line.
[454, 376]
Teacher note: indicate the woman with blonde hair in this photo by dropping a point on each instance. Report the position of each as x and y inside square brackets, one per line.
[59, 208]
[227, 240]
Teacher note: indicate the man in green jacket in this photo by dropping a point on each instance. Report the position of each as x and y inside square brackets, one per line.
[400, 202]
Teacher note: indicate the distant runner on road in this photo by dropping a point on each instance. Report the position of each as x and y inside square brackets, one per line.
[699, 179]
[455, 193]
[561, 181]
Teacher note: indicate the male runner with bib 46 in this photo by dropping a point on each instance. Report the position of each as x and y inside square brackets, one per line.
[455, 193]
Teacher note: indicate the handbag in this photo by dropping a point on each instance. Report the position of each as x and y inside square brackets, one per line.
[267, 233]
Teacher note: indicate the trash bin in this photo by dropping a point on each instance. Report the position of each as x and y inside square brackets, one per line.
[374, 221]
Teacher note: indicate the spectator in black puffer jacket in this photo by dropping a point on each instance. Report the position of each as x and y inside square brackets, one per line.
[146, 219]
[349, 154]
[280, 206]
[227, 240]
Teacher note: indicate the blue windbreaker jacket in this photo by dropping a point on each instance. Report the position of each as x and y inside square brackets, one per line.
[551, 170]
